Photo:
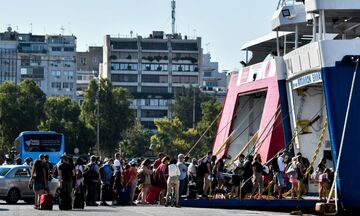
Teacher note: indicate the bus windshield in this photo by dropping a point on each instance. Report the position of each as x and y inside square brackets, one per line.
[42, 142]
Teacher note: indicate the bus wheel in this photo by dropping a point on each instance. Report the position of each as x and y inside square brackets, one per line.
[13, 196]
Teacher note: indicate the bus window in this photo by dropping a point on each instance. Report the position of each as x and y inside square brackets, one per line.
[42, 142]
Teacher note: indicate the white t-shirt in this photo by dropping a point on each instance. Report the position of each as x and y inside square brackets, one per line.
[281, 164]
[81, 169]
[192, 169]
[173, 170]
[117, 166]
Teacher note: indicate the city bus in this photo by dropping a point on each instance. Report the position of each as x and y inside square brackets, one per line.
[33, 143]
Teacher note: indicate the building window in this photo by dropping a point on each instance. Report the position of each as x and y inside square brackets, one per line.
[124, 66]
[156, 90]
[207, 74]
[124, 77]
[68, 63]
[154, 78]
[69, 49]
[55, 63]
[69, 74]
[185, 79]
[56, 49]
[56, 85]
[153, 113]
[185, 67]
[211, 84]
[68, 86]
[56, 74]
[154, 67]
[149, 125]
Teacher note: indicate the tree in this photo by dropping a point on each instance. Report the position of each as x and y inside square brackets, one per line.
[62, 116]
[136, 141]
[115, 115]
[210, 111]
[171, 137]
[21, 109]
[184, 104]
[31, 102]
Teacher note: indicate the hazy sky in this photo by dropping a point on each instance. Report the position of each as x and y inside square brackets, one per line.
[225, 25]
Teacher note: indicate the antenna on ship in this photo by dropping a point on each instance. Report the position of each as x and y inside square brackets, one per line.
[173, 7]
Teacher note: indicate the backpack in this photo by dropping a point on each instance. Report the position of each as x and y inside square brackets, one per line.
[141, 177]
[79, 174]
[202, 169]
[89, 173]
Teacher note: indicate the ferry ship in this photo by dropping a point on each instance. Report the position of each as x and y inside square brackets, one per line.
[299, 91]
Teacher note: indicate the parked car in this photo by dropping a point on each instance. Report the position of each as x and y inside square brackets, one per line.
[14, 184]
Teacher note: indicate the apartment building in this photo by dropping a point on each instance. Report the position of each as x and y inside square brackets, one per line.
[153, 68]
[8, 56]
[213, 82]
[47, 59]
[87, 68]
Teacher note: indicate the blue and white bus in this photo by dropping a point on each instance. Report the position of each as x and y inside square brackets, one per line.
[33, 143]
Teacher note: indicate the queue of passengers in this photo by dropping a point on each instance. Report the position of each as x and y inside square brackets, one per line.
[140, 182]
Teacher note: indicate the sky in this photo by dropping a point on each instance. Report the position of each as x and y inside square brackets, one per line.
[223, 25]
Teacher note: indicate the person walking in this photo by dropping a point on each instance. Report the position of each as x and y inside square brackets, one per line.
[183, 170]
[257, 177]
[173, 182]
[106, 174]
[92, 179]
[161, 175]
[38, 182]
[144, 173]
[66, 173]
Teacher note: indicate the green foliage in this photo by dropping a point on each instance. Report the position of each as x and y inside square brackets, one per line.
[184, 104]
[62, 116]
[136, 142]
[210, 110]
[21, 109]
[115, 115]
[173, 137]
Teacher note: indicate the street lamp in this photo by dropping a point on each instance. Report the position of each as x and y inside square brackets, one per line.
[98, 115]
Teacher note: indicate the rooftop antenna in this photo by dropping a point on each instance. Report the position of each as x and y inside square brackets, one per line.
[31, 27]
[62, 30]
[173, 6]
[131, 33]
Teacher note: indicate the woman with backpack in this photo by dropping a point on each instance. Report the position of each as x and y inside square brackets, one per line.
[144, 175]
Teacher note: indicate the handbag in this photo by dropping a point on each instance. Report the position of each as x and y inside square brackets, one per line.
[31, 183]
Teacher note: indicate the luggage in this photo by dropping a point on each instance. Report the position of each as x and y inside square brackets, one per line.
[152, 194]
[123, 197]
[192, 191]
[46, 202]
[65, 201]
[79, 200]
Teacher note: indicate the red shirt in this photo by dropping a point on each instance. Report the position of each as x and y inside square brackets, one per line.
[126, 176]
[157, 163]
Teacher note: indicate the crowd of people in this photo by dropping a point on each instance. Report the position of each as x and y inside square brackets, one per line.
[142, 181]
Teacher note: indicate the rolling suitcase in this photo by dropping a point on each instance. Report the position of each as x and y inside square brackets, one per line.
[152, 194]
[65, 201]
[79, 200]
[46, 202]
[123, 197]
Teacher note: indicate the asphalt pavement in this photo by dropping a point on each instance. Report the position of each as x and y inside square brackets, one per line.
[155, 210]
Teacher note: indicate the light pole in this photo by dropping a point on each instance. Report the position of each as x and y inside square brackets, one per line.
[194, 109]
[98, 116]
